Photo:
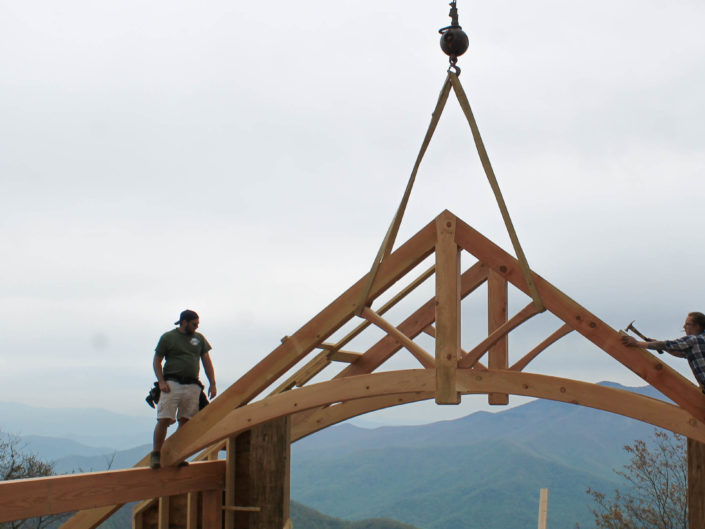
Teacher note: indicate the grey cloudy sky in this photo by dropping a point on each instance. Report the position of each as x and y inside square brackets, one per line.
[244, 159]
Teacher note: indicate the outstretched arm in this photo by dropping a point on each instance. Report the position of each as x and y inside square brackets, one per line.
[210, 373]
[651, 344]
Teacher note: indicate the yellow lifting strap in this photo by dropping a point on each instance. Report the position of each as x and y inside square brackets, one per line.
[385, 249]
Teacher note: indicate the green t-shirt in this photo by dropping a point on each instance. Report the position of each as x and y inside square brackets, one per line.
[182, 352]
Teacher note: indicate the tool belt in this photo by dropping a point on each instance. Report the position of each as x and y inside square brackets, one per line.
[155, 392]
[184, 380]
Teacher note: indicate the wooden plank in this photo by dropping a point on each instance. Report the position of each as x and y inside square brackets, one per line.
[229, 496]
[422, 356]
[211, 500]
[90, 518]
[163, 517]
[238, 508]
[318, 364]
[479, 350]
[447, 310]
[554, 337]
[543, 508]
[497, 307]
[211, 513]
[345, 356]
[280, 360]
[137, 522]
[192, 510]
[696, 484]
[650, 368]
[27, 498]
[314, 366]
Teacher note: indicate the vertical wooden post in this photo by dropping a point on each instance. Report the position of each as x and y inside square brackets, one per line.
[138, 521]
[163, 519]
[543, 508]
[262, 463]
[696, 484]
[192, 510]
[212, 506]
[496, 316]
[447, 310]
[229, 499]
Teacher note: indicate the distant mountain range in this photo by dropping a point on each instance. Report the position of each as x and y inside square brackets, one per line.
[89, 426]
[483, 471]
[306, 518]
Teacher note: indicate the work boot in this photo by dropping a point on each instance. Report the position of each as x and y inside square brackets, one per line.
[155, 460]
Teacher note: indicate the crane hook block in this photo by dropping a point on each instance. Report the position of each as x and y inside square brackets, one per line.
[454, 41]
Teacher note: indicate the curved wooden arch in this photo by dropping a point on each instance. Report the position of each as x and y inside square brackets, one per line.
[307, 423]
[421, 383]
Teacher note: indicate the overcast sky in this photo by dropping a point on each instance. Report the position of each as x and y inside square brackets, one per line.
[244, 159]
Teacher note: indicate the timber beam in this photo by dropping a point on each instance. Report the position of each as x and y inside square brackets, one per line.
[27, 498]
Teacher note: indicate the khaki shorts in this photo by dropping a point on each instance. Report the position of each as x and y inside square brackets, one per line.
[183, 398]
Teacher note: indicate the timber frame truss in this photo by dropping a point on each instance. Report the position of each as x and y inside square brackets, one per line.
[444, 374]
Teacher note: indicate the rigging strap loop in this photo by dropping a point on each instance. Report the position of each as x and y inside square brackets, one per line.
[388, 242]
[385, 249]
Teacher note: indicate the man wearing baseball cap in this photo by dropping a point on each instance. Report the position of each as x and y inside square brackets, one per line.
[183, 348]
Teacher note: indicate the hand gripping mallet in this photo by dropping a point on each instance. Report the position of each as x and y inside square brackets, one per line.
[631, 327]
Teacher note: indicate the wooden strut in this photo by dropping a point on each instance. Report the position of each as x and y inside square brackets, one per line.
[528, 357]
[479, 350]
[388, 242]
[422, 356]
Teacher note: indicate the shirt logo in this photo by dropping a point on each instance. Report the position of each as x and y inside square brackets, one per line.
[195, 341]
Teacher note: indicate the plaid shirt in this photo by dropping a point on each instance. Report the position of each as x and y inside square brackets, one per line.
[693, 346]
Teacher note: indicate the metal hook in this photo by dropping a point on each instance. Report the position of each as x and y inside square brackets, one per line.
[454, 66]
